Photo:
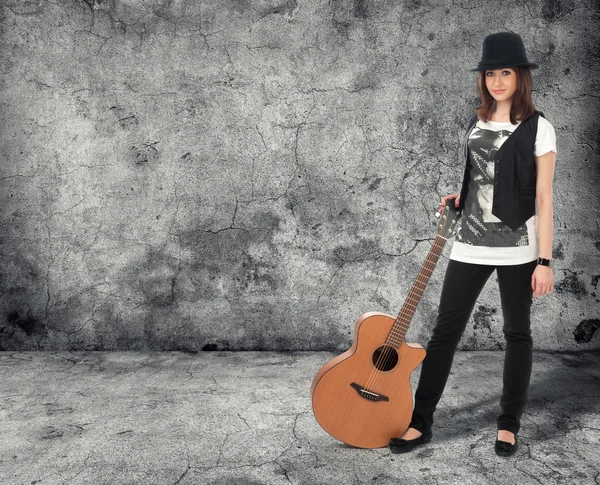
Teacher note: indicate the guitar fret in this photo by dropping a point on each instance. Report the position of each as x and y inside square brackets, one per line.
[403, 319]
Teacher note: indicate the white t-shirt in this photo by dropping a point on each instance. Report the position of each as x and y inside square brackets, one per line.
[480, 236]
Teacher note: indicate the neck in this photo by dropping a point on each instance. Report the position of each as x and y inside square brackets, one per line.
[502, 110]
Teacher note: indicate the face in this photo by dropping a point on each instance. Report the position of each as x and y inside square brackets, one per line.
[501, 79]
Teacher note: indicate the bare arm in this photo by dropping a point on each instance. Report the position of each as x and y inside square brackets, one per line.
[544, 165]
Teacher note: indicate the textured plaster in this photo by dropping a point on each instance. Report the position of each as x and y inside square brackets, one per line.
[256, 175]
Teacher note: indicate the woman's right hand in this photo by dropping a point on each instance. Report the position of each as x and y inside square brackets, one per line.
[442, 204]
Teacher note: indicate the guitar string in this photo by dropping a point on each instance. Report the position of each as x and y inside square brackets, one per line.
[386, 356]
[405, 324]
[392, 351]
[436, 251]
[389, 350]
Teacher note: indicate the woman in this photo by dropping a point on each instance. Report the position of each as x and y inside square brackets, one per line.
[498, 229]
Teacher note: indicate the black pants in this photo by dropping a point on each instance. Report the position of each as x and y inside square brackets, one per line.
[462, 285]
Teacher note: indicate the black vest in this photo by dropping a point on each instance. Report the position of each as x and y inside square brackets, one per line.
[514, 173]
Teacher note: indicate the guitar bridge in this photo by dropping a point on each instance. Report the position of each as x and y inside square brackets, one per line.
[370, 395]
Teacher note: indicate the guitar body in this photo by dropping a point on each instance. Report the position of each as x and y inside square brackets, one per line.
[363, 397]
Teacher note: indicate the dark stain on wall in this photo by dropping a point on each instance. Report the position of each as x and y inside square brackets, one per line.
[586, 330]
[413, 5]
[337, 337]
[263, 226]
[239, 6]
[22, 323]
[342, 9]
[218, 266]
[154, 279]
[286, 7]
[362, 250]
[374, 182]
[154, 319]
[222, 256]
[28, 323]
[145, 153]
[125, 120]
[483, 319]
[558, 251]
[554, 10]
[216, 345]
[212, 256]
[361, 8]
[238, 481]
[256, 274]
[571, 284]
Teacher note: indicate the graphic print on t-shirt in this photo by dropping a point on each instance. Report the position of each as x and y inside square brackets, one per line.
[477, 225]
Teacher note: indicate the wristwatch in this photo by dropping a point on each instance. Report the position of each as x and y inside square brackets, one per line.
[545, 262]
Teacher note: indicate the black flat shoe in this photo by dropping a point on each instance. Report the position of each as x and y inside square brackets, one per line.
[504, 448]
[400, 445]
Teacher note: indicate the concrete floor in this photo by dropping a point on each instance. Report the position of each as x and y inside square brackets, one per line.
[246, 418]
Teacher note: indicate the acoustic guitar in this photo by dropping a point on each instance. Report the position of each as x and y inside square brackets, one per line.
[363, 397]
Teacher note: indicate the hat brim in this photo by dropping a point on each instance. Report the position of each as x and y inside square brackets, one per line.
[531, 65]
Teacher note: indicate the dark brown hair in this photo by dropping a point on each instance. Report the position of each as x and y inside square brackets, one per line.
[522, 104]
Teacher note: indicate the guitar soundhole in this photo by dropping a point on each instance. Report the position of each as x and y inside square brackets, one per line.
[385, 358]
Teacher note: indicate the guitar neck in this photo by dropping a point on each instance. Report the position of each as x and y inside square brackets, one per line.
[398, 331]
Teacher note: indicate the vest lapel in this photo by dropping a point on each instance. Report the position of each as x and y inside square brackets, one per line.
[509, 205]
[511, 140]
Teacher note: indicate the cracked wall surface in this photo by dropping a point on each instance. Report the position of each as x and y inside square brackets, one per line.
[256, 175]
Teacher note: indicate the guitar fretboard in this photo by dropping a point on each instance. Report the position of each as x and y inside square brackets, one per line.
[398, 331]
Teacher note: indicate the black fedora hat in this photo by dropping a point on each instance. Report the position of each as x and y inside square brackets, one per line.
[503, 49]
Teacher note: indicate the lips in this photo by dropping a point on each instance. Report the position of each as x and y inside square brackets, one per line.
[500, 92]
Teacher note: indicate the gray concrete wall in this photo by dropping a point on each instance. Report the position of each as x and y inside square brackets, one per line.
[256, 175]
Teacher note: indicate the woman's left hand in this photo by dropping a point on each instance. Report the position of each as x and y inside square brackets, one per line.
[542, 280]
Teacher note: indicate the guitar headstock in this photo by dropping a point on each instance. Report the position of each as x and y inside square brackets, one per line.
[448, 219]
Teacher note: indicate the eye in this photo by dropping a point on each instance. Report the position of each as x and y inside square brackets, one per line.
[509, 72]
